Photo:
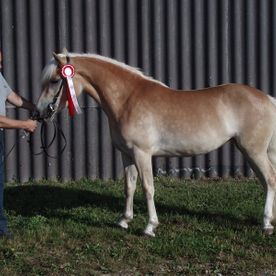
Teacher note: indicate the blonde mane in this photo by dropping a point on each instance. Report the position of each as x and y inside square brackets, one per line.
[51, 67]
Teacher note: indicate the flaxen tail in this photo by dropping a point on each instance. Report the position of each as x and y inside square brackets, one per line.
[272, 156]
[273, 100]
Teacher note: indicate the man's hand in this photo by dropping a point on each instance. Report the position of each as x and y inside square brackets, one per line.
[30, 125]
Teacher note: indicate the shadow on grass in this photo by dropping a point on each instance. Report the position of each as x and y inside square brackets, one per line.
[29, 200]
[46, 200]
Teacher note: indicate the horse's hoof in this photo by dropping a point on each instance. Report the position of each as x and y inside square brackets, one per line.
[122, 223]
[149, 233]
[268, 231]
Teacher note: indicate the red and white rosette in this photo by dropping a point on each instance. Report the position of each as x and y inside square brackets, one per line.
[68, 72]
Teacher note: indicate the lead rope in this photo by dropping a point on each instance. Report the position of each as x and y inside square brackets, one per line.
[6, 155]
[44, 146]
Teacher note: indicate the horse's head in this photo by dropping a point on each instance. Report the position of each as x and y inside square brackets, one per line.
[54, 97]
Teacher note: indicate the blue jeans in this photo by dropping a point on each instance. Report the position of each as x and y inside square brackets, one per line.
[3, 220]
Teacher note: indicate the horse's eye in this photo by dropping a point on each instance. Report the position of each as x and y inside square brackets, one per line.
[55, 81]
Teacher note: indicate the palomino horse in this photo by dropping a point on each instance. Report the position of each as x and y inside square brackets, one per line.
[147, 118]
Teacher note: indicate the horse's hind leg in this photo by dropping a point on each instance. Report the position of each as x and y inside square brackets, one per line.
[271, 198]
[131, 175]
[267, 175]
[269, 213]
[265, 171]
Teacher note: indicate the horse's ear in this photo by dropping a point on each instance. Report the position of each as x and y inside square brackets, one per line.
[65, 51]
[57, 58]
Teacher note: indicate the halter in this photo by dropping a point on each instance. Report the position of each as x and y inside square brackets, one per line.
[66, 73]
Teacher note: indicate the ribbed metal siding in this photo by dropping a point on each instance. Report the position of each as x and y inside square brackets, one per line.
[184, 43]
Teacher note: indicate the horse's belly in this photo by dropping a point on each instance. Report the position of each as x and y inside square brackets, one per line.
[187, 146]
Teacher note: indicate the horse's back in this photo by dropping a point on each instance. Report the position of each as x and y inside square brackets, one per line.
[172, 122]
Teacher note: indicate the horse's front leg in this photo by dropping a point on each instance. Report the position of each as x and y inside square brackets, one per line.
[144, 166]
[130, 187]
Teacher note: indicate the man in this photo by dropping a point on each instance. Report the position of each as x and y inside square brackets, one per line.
[6, 93]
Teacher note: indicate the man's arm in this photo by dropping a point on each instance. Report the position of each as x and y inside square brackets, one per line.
[19, 101]
[28, 125]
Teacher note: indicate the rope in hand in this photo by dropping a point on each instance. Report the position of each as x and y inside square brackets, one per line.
[44, 145]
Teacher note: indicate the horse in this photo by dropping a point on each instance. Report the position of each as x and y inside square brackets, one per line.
[147, 118]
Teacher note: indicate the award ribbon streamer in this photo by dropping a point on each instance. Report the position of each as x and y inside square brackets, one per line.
[68, 72]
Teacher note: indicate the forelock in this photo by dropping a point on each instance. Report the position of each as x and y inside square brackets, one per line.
[48, 72]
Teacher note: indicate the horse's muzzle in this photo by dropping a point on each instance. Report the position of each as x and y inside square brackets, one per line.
[36, 116]
[45, 114]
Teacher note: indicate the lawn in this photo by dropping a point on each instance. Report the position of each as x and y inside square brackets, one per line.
[206, 227]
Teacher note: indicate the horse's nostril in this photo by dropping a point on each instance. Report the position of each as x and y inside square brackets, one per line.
[35, 115]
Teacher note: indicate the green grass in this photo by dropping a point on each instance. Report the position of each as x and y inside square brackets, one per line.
[207, 227]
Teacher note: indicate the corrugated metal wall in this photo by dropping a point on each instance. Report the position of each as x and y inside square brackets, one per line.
[184, 43]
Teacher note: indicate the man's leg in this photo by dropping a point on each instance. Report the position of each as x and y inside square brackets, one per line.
[3, 220]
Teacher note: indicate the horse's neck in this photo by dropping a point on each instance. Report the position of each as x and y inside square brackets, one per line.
[112, 84]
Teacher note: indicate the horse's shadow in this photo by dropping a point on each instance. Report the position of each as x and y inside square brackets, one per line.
[45, 200]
